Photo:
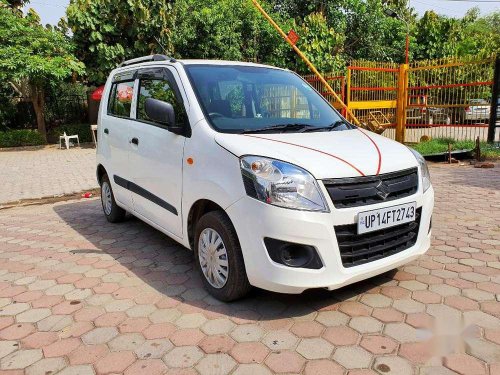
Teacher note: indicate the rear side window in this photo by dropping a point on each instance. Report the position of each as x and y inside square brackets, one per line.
[159, 89]
[120, 101]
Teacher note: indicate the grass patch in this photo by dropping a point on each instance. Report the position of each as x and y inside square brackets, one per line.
[19, 138]
[440, 145]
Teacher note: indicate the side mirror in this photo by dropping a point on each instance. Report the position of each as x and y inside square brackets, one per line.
[162, 113]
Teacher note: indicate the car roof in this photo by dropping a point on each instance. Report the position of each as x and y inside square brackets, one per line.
[187, 62]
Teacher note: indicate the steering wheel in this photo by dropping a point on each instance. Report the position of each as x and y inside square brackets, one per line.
[216, 114]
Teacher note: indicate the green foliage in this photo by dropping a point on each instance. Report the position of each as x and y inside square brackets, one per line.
[18, 138]
[229, 30]
[7, 106]
[439, 36]
[108, 32]
[321, 44]
[30, 52]
[82, 130]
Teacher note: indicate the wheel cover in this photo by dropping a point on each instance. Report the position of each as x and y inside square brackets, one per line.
[106, 199]
[212, 255]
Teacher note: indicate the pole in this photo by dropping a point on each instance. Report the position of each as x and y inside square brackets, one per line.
[407, 48]
[401, 103]
[495, 97]
[307, 61]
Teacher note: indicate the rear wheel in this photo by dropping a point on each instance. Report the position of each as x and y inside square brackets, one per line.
[112, 211]
[219, 259]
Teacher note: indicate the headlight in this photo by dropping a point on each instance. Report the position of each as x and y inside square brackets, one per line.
[281, 184]
[426, 177]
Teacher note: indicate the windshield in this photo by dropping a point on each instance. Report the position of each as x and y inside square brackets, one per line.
[238, 99]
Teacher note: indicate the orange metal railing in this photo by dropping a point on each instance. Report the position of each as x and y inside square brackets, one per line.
[438, 98]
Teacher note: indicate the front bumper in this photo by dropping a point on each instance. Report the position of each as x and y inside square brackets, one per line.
[254, 220]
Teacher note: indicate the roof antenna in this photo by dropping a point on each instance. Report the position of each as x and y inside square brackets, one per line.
[172, 60]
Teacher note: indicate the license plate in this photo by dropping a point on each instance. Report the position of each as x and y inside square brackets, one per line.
[382, 218]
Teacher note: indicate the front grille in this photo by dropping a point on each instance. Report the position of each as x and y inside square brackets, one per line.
[356, 249]
[362, 191]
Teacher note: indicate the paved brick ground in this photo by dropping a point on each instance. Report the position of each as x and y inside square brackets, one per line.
[81, 296]
[46, 172]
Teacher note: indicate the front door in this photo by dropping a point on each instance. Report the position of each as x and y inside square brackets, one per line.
[156, 154]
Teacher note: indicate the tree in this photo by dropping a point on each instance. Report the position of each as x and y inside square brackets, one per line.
[108, 32]
[14, 4]
[322, 45]
[32, 57]
[228, 29]
[480, 35]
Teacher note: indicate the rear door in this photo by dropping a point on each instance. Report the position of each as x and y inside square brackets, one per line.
[115, 134]
[156, 154]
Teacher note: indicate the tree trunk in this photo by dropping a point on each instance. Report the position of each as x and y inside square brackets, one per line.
[38, 99]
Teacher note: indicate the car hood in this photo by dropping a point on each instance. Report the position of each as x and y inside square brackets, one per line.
[335, 154]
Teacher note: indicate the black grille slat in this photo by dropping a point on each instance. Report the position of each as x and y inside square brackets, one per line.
[362, 191]
[356, 249]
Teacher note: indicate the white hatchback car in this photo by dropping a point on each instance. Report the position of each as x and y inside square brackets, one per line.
[252, 169]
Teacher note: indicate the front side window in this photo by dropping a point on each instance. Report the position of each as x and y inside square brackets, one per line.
[120, 101]
[238, 99]
[159, 89]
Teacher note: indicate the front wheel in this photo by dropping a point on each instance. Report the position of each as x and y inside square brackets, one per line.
[219, 258]
[112, 211]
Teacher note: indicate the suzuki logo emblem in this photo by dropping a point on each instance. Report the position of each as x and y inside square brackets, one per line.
[382, 190]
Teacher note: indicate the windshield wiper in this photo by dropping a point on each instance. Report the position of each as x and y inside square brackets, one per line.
[279, 128]
[328, 128]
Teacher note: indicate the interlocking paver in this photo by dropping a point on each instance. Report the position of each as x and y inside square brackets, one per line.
[88, 354]
[46, 366]
[81, 291]
[100, 335]
[379, 344]
[279, 340]
[365, 324]
[214, 364]
[315, 348]
[247, 332]
[127, 341]
[217, 344]
[323, 366]
[77, 370]
[392, 365]
[252, 369]
[33, 183]
[217, 326]
[61, 348]
[7, 347]
[464, 364]
[115, 362]
[285, 361]
[21, 359]
[187, 336]
[185, 356]
[147, 366]
[352, 357]
[153, 348]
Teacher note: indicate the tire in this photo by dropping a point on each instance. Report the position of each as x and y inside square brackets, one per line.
[234, 284]
[113, 213]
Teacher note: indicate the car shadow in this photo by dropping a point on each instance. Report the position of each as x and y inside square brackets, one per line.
[168, 268]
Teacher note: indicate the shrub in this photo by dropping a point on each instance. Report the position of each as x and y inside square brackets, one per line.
[83, 131]
[17, 138]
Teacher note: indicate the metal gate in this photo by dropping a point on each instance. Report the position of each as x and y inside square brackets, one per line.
[446, 98]
[449, 98]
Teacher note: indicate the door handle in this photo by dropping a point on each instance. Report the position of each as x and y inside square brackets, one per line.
[106, 131]
[135, 141]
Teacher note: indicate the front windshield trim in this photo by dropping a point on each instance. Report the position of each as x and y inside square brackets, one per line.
[187, 68]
